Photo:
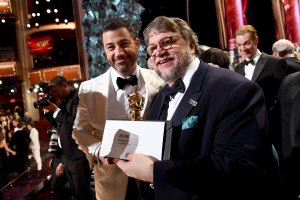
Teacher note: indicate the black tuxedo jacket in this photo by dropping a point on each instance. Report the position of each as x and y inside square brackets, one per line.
[65, 119]
[289, 98]
[268, 74]
[227, 150]
[293, 64]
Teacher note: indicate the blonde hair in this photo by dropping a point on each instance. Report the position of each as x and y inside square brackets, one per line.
[247, 29]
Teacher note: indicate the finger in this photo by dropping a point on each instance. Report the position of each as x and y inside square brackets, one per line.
[102, 159]
[115, 160]
[129, 156]
[110, 161]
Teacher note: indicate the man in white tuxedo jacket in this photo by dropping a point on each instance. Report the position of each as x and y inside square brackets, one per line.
[102, 98]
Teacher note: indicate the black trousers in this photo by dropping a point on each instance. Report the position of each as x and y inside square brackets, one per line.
[78, 175]
[139, 190]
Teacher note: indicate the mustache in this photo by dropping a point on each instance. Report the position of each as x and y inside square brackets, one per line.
[120, 57]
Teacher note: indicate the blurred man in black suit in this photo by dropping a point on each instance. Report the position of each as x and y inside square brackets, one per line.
[74, 163]
[286, 49]
[289, 98]
[266, 70]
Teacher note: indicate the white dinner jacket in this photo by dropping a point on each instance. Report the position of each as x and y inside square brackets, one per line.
[110, 181]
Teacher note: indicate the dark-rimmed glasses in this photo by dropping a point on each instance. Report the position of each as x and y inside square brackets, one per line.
[165, 43]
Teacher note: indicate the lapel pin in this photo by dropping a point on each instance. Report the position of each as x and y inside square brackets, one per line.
[193, 102]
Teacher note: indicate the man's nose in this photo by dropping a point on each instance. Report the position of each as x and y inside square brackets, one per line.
[119, 51]
[242, 47]
[158, 51]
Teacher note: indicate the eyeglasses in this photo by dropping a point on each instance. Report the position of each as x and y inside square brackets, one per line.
[164, 43]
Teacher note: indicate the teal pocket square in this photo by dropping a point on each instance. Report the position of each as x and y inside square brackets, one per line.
[189, 122]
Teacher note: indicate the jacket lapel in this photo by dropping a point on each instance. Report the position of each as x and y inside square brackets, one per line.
[240, 68]
[152, 85]
[192, 95]
[259, 66]
[102, 81]
[156, 107]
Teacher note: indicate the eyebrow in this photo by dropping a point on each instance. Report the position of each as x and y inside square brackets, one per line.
[120, 41]
[164, 37]
[244, 42]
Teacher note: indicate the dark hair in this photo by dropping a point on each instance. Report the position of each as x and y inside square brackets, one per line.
[216, 56]
[172, 24]
[31, 124]
[21, 124]
[58, 80]
[116, 23]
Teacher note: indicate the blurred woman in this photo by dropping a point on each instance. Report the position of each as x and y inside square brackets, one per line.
[4, 149]
[20, 141]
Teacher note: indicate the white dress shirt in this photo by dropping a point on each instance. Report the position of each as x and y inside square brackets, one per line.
[173, 104]
[118, 106]
[249, 69]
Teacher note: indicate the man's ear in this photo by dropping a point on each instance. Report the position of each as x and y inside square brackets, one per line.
[193, 46]
[256, 40]
[137, 43]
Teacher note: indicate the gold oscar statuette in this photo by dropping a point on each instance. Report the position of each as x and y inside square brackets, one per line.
[136, 104]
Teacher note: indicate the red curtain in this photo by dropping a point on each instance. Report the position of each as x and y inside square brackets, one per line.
[234, 15]
[292, 19]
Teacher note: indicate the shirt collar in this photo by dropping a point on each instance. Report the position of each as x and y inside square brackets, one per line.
[290, 55]
[190, 72]
[256, 56]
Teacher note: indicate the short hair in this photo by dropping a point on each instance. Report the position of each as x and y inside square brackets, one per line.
[31, 124]
[283, 46]
[172, 24]
[20, 124]
[116, 23]
[247, 29]
[217, 57]
[57, 80]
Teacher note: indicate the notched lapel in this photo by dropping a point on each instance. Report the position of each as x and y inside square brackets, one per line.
[192, 95]
[187, 104]
[259, 67]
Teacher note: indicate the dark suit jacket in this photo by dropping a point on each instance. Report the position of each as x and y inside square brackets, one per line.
[293, 64]
[77, 169]
[227, 153]
[65, 119]
[268, 74]
[289, 98]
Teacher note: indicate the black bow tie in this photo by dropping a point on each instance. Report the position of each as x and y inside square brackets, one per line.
[121, 82]
[249, 62]
[171, 91]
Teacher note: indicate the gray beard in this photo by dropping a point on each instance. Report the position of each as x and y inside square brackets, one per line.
[178, 71]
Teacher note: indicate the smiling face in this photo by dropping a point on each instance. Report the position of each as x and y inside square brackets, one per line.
[170, 63]
[121, 50]
[247, 45]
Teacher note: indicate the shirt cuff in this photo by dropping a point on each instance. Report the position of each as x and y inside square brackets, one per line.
[94, 149]
[56, 112]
